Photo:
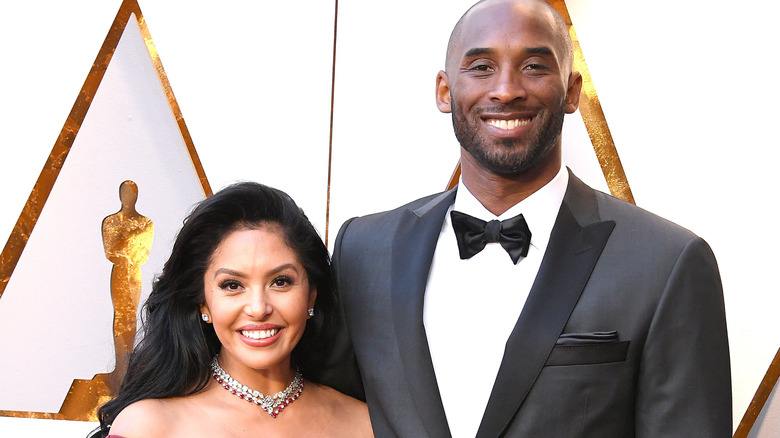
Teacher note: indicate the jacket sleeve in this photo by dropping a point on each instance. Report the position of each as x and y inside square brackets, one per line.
[684, 383]
[342, 372]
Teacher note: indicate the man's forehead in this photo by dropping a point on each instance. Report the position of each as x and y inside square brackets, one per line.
[518, 23]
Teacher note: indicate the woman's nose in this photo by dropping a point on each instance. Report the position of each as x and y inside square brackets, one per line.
[258, 305]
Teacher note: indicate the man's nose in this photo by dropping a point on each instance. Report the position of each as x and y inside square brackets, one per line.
[508, 85]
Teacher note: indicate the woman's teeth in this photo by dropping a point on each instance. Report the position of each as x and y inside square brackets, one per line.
[259, 334]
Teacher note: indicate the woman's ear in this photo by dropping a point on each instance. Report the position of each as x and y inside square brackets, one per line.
[205, 314]
[312, 300]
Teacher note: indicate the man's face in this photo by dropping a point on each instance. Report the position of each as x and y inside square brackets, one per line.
[508, 86]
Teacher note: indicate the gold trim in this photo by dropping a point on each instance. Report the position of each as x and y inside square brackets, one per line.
[759, 399]
[95, 391]
[332, 103]
[185, 133]
[454, 177]
[595, 122]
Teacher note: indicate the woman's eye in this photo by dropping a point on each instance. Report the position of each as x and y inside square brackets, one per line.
[230, 285]
[282, 282]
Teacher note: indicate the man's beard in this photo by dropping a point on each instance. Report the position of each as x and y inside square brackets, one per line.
[508, 156]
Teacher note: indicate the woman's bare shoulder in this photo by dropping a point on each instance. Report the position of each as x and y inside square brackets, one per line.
[352, 412]
[150, 417]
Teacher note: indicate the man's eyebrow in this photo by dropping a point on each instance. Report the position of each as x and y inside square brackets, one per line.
[481, 51]
[539, 51]
[478, 51]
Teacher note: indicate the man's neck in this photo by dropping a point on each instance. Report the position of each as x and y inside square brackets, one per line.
[499, 193]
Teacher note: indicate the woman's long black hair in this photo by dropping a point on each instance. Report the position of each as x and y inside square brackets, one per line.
[172, 358]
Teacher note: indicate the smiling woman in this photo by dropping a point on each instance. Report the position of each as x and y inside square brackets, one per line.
[257, 297]
[240, 314]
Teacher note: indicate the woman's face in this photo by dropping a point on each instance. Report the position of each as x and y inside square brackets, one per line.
[257, 296]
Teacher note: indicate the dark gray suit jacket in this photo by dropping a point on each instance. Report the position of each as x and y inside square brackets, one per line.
[623, 333]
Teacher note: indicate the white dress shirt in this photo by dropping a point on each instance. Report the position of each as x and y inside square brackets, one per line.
[472, 305]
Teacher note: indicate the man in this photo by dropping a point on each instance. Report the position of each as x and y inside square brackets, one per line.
[609, 324]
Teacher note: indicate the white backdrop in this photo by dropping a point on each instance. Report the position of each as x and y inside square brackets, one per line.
[686, 88]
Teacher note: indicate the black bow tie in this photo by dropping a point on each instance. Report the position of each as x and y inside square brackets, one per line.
[473, 234]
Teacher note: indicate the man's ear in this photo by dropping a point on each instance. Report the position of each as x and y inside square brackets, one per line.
[573, 92]
[443, 92]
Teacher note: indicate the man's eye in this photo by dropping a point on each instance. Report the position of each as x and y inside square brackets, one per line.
[535, 67]
[481, 67]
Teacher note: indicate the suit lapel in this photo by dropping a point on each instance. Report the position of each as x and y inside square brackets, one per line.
[571, 254]
[413, 248]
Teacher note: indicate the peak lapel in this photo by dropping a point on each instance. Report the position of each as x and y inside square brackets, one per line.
[568, 262]
[413, 248]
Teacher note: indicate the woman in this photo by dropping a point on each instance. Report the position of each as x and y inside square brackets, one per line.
[235, 326]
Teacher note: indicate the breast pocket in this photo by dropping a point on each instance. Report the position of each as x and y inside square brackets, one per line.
[588, 349]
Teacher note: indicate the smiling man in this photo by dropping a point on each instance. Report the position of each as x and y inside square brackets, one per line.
[523, 302]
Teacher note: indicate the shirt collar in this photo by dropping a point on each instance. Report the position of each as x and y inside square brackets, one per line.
[539, 210]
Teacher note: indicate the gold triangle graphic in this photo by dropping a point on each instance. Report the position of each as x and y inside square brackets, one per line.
[595, 122]
[85, 396]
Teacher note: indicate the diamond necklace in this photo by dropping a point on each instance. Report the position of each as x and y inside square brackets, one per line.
[273, 404]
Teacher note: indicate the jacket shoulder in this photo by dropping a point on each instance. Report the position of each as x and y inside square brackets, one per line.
[375, 230]
[384, 218]
[636, 218]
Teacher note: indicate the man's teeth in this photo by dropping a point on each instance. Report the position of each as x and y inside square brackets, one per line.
[259, 334]
[508, 124]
